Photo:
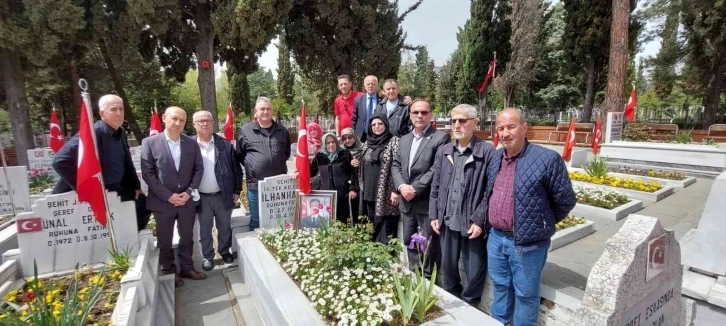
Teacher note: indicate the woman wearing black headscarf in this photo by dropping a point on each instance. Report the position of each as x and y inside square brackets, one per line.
[379, 200]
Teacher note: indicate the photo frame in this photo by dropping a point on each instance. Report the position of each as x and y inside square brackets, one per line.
[316, 209]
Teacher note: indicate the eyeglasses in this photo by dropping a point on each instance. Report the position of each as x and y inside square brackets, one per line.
[460, 121]
[423, 113]
[203, 122]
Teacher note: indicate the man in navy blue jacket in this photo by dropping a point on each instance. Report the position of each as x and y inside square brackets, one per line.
[529, 192]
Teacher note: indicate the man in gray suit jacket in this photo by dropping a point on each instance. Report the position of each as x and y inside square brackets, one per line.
[171, 165]
[413, 171]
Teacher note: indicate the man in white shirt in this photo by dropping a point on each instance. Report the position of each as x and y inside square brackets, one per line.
[219, 189]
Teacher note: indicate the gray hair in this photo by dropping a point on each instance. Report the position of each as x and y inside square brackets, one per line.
[467, 109]
[201, 112]
[106, 100]
[263, 99]
[390, 80]
[518, 111]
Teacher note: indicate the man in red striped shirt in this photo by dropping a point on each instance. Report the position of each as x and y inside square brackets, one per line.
[344, 104]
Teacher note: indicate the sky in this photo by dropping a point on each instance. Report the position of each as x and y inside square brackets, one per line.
[434, 24]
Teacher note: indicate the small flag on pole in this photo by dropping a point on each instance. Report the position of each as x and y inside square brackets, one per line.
[632, 103]
[229, 124]
[302, 161]
[495, 138]
[155, 125]
[88, 183]
[490, 74]
[597, 139]
[56, 136]
[569, 142]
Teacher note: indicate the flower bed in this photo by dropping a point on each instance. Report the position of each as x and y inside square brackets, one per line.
[39, 182]
[348, 278]
[569, 221]
[624, 183]
[569, 230]
[602, 198]
[662, 174]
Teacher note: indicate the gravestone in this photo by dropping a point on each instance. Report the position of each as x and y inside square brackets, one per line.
[18, 176]
[614, 127]
[277, 200]
[707, 249]
[60, 232]
[637, 280]
[136, 156]
[41, 159]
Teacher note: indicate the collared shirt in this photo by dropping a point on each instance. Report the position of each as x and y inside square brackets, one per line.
[209, 179]
[390, 106]
[175, 149]
[114, 154]
[457, 188]
[371, 109]
[414, 146]
[501, 203]
[344, 109]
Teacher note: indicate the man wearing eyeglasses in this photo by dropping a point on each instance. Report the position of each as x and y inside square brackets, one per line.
[263, 148]
[219, 189]
[457, 207]
[413, 170]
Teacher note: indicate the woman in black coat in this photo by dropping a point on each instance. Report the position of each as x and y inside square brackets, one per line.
[331, 167]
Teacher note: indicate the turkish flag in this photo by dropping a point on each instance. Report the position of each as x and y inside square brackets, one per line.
[436, 126]
[229, 124]
[569, 142]
[56, 137]
[155, 125]
[630, 107]
[302, 161]
[88, 183]
[489, 76]
[597, 139]
[495, 138]
[32, 224]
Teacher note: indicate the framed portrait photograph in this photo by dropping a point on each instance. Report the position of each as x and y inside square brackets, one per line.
[315, 210]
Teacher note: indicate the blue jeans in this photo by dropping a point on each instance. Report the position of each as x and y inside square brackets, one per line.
[254, 209]
[515, 276]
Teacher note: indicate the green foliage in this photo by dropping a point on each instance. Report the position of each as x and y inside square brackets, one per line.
[239, 91]
[285, 74]
[40, 182]
[4, 122]
[406, 296]
[684, 137]
[664, 64]
[638, 133]
[597, 167]
[120, 260]
[709, 141]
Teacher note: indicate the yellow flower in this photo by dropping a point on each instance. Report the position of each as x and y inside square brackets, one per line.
[107, 305]
[2, 316]
[80, 312]
[31, 279]
[81, 297]
[97, 280]
[83, 290]
[25, 312]
[49, 298]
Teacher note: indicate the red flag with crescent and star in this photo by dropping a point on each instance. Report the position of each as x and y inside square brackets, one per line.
[56, 136]
[490, 74]
[495, 138]
[229, 124]
[569, 142]
[597, 139]
[155, 125]
[632, 103]
[88, 182]
[302, 161]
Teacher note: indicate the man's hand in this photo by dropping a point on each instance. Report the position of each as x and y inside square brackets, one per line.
[294, 175]
[435, 226]
[474, 231]
[235, 198]
[138, 193]
[407, 192]
[176, 200]
[354, 163]
[184, 197]
[394, 198]
[352, 194]
[407, 100]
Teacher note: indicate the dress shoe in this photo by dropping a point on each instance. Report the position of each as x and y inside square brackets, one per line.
[178, 281]
[207, 265]
[228, 258]
[194, 275]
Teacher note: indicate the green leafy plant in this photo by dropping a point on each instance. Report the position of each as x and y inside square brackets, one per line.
[684, 137]
[638, 133]
[407, 296]
[597, 167]
[120, 260]
[426, 297]
[40, 182]
[709, 141]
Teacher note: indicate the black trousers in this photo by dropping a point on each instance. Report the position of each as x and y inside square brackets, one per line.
[184, 218]
[474, 255]
[411, 222]
[384, 227]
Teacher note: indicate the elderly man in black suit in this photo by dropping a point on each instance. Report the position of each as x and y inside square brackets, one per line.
[119, 174]
[413, 171]
[365, 105]
[171, 164]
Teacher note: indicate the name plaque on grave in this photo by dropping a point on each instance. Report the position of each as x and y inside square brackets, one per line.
[653, 309]
[60, 232]
[614, 127]
[41, 159]
[18, 176]
[136, 156]
[277, 200]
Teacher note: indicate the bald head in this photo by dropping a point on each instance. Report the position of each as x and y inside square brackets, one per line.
[111, 110]
[174, 120]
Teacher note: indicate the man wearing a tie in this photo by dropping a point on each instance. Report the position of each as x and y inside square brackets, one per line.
[364, 106]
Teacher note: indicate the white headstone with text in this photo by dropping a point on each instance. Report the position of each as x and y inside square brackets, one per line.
[136, 156]
[614, 127]
[41, 159]
[637, 280]
[61, 232]
[18, 176]
[277, 200]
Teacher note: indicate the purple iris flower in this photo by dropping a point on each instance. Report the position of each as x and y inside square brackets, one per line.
[418, 239]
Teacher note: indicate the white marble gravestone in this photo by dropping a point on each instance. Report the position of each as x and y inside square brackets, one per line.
[706, 251]
[614, 127]
[18, 176]
[41, 159]
[637, 280]
[277, 200]
[136, 156]
[61, 232]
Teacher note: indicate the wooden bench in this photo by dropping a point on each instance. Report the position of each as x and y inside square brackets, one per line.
[717, 132]
[580, 129]
[658, 131]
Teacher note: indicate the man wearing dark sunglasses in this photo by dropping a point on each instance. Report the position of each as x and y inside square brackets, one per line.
[412, 175]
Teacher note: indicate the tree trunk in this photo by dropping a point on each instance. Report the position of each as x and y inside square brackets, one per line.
[509, 97]
[73, 112]
[483, 117]
[590, 90]
[17, 101]
[205, 52]
[128, 111]
[618, 64]
[713, 92]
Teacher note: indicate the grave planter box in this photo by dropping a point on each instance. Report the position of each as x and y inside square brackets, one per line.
[689, 156]
[665, 182]
[614, 214]
[6, 221]
[652, 197]
[280, 302]
[572, 234]
[8, 239]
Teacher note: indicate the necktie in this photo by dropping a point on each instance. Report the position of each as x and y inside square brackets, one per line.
[369, 110]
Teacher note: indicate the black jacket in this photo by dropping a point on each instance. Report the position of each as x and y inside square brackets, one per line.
[262, 156]
[227, 170]
[65, 162]
[399, 120]
[337, 175]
